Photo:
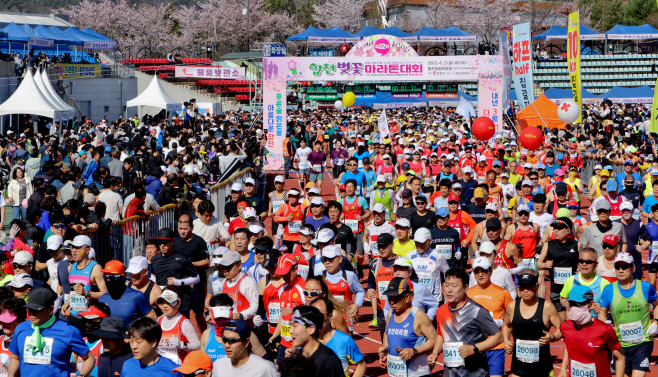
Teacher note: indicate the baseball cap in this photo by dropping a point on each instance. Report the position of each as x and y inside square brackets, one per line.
[331, 251]
[399, 286]
[238, 326]
[21, 280]
[379, 208]
[563, 212]
[443, 212]
[309, 185]
[572, 203]
[478, 193]
[256, 227]
[114, 267]
[558, 172]
[624, 258]
[111, 327]
[580, 293]
[504, 174]
[422, 235]
[496, 163]
[401, 261]
[573, 145]
[381, 178]
[305, 230]
[481, 262]
[611, 239]
[405, 165]
[603, 204]
[607, 173]
[492, 206]
[482, 158]
[41, 298]
[236, 187]
[195, 360]
[493, 223]
[80, 241]
[249, 213]
[54, 243]
[467, 169]
[406, 193]
[527, 165]
[422, 198]
[626, 205]
[280, 178]
[23, 257]
[325, 235]
[453, 198]
[249, 181]
[522, 207]
[456, 185]
[385, 239]
[611, 185]
[285, 263]
[561, 188]
[229, 258]
[527, 279]
[137, 264]
[598, 167]
[563, 222]
[93, 313]
[170, 296]
[526, 182]
[403, 222]
[7, 316]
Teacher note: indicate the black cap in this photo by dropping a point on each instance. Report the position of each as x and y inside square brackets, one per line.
[494, 223]
[385, 239]
[550, 154]
[40, 299]
[271, 258]
[528, 279]
[406, 193]
[112, 327]
[165, 234]
[3, 257]
[398, 286]
[539, 198]
[561, 188]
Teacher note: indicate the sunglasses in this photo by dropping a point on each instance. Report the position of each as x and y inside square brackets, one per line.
[602, 211]
[480, 271]
[586, 261]
[524, 213]
[351, 164]
[230, 341]
[325, 259]
[59, 226]
[608, 246]
[622, 266]
[493, 229]
[114, 277]
[162, 242]
[220, 267]
[312, 293]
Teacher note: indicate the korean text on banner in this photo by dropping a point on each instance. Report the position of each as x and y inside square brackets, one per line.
[226, 73]
[507, 67]
[653, 126]
[523, 82]
[274, 121]
[40, 42]
[573, 55]
[382, 126]
[70, 71]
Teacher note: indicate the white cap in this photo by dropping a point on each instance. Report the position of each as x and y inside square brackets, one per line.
[236, 187]
[492, 206]
[467, 169]
[386, 156]
[256, 228]
[482, 158]
[54, 242]
[314, 190]
[249, 180]
[403, 222]
[526, 182]
[137, 264]
[293, 192]
[92, 253]
[527, 165]
[487, 247]
[249, 212]
[402, 261]
[21, 280]
[522, 207]
[450, 156]
[626, 205]
[279, 178]
[599, 167]
[318, 201]
[621, 257]
[482, 262]
[504, 173]
[306, 231]
[422, 235]
[407, 151]
[331, 251]
[23, 257]
[221, 311]
[80, 241]
[360, 144]
[381, 178]
[325, 235]
[170, 296]
[379, 208]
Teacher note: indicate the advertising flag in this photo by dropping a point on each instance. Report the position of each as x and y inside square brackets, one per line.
[522, 54]
[382, 125]
[573, 58]
[503, 42]
[653, 126]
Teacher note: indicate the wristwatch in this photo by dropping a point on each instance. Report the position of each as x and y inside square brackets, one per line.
[475, 349]
[415, 352]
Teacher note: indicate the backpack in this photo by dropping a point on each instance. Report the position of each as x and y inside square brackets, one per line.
[213, 166]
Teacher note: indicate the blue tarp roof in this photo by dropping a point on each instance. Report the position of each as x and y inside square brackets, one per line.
[645, 31]
[560, 32]
[34, 33]
[555, 93]
[97, 34]
[59, 36]
[81, 35]
[334, 32]
[628, 93]
[15, 33]
[368, 31]
[386, 97]
[428, 33]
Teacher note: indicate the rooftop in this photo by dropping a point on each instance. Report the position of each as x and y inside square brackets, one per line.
[32, 19]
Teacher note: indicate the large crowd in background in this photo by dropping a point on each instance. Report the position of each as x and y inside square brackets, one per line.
[466, 253]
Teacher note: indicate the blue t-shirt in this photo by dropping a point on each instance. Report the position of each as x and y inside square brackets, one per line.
[316, 223]
[358, 176]
[162, 367]
[550, 170]
[647, 289]
[130, 306]
[65, 339]
[345, 348]
[648, 202]
[619, 178]
[249, 263]
[371, 175]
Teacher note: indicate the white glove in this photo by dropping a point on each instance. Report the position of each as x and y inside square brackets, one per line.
[653, 329]
[458, 255]
[258, 320]
[174, 342]
[4, 359]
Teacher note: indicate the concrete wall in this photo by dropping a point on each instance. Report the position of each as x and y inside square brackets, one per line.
[99, 97]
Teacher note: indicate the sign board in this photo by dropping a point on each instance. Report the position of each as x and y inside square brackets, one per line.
[361, 88]
[40, 42]
[100, 45]
[274, 49]
[522, 54]
[322, 97]
[321, 89]
[71, 71]
[224, 73]
[320, 52]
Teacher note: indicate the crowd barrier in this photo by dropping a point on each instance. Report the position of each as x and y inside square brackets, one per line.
[587, 171]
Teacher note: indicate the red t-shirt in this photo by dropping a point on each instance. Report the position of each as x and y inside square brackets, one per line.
[591, 345]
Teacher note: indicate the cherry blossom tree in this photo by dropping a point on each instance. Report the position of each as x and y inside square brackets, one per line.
[410, 22]
[484, 18]
[441, 14]
[346, 14]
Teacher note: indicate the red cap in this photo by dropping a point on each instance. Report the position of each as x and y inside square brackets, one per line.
[573, 145]
[453, 198]
[114, 267]
[572, 203]
[611, 239]
[342, 187]
[286, 262]
[93, 313]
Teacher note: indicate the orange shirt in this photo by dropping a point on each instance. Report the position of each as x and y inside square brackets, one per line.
[468, 221]
[495, 299]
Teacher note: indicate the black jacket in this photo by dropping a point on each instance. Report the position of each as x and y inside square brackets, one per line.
[167, 195]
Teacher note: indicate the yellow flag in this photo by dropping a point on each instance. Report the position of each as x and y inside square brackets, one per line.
[573, 58]
[653, 126]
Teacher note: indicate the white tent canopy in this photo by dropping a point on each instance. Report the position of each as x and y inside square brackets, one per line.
[69, 112]
[38, 79]
[155, 96]
[28, 99]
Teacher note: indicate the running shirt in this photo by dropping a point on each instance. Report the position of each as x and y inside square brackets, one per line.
[494, 299]
[526, 241]
[589, 347]
[290, 297]
[630, 311]
[400, 333]
[302, 154]
[374, 231]
[346, 349]
[565, 262]
[214, 348]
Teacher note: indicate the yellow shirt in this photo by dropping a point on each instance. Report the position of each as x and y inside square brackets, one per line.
[403, 249]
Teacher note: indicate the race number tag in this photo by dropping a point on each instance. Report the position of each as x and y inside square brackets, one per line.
[317, 168]
[445, 251]
[427, 181]
[369, 190]
[425, 278]
[389, 176]
[274, 312]
[582, 369]
[340, 161]
[302, 270]
[451, 356]
[527, 351]
[78, 303]
[529, 263]
[400, 157]
[632, 333]
[374, 249]
[481, 179]
[653, 256]
[396, 366]
[561, 274]
[170, 353]
[276, 206]
[304, 165]
[381, 288]
[353, 224]
[294, 227]
[285, 331]
[42, 357]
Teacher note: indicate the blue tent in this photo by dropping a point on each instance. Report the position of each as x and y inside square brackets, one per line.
[332, 35]
[621, 32]
[450, 34]
[368, 31]
[618, 94]
[560, 32]
[567, 94]
[59, 36]
[97, 34]
[34, 33]
[387, 97]
[81, 35]
[15, 33]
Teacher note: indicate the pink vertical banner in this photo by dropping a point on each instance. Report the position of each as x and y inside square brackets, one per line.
[490, 100]
[274, 122]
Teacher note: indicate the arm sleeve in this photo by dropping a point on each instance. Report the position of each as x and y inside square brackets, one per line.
[371, 275]
[193, 342]
[249, 289]
[357, 288]
[187, 281]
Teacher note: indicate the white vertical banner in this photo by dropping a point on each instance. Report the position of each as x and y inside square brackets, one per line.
[522, 53]
[382, 125]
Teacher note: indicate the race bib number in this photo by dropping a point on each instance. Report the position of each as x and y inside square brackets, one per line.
[445, 251]
[451, 356]
[302, 270]
[400, 157]
[374, 249]
[381, 288]
[170, 353]
[353, 224]
[427, 181]
[304, 165]
[360, 164]
[388, 214]
[632, 333]
[340, 162]
[527, 351]
[582, 369]
[653, 256]
[274, 312]
[285, 331]
[294, 227]
[396, 366]
[78, 303]
[561, 274]
[276, 206]
[43, 357]
[317, 168]
[481, 180]
[369, 190]
[425, 278]
[529, 263]
[389, 176]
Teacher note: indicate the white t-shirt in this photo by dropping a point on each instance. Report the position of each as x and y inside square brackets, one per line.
[543, 221]
[508, 191]
[256, 366]
[113, 203]
[302, 155]
[52, 272]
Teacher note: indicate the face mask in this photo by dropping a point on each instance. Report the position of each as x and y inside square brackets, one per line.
[219, 327]
[580, 314]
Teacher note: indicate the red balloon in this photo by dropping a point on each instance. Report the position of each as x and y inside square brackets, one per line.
[531, 138]
[483, 128]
